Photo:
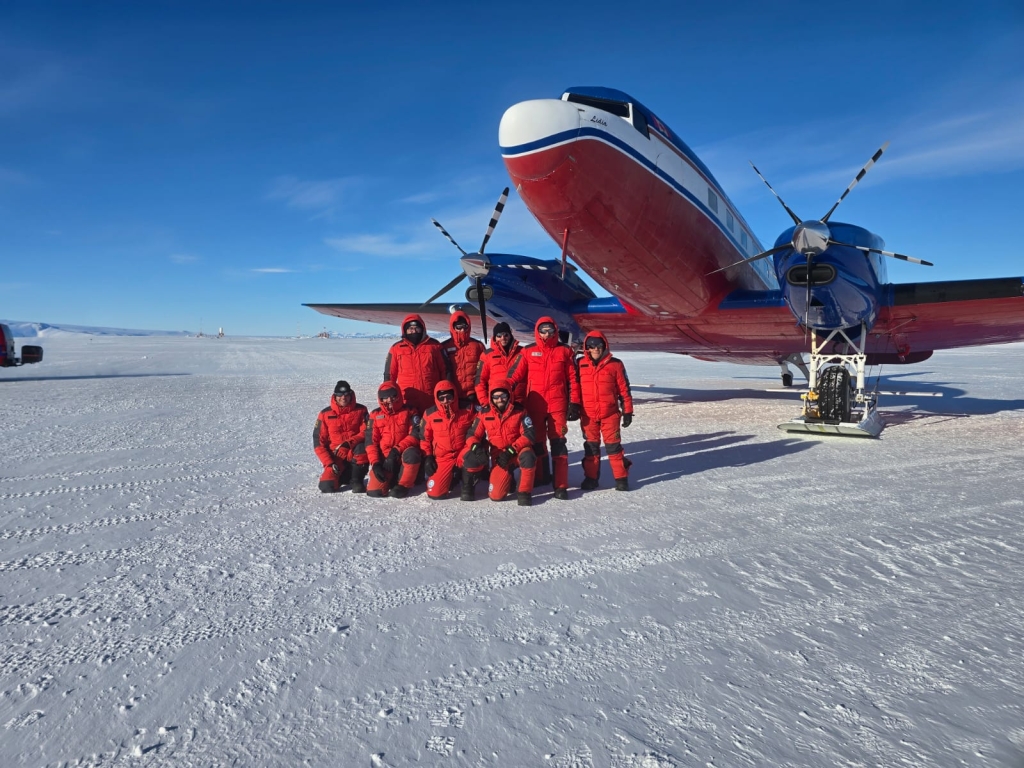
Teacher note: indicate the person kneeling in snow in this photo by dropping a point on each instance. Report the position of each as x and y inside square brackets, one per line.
[338, 441]
[391, 444]
[442, 439]
[506, 426]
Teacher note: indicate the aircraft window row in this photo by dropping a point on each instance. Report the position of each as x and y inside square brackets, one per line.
[712, 200]
[743, 239]
[729, 221]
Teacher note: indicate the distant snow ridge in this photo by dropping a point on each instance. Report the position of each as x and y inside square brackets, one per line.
[34, 330]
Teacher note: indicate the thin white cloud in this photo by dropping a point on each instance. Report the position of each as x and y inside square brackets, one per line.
[380, 245]
[272, 270]
[422, 198]
[321, 196]
[183, 258]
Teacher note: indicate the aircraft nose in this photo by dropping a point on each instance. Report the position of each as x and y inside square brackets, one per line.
[538, 135]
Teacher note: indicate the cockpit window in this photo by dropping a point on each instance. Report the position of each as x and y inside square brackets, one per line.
[617, 108]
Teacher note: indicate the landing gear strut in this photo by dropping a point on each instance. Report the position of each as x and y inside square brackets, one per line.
[836, 402]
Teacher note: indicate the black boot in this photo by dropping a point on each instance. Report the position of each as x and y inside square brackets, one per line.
[588, 484]
[525, 499]
[399, 492]
[359, 477]
[622, 484]
[468, 485]
[328, 486]
[561, 493]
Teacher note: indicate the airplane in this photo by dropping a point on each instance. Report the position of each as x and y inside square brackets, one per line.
[640, 213]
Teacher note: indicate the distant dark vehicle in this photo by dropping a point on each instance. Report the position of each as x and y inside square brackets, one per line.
[8, 358]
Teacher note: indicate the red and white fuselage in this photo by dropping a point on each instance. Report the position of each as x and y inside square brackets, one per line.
[646, 219]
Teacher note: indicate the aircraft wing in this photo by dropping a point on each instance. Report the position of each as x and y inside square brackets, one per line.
[758, 327]
[434, 315]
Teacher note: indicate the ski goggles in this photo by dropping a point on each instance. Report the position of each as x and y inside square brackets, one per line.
[461, 325]
[595, 344]
[445, 395]
[546, 329]
[387, 394]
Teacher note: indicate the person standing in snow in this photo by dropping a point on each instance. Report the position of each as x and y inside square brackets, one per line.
[604, 386]
[338, 441]
[416, 364]
[548, 368]
[391, 444]
[442, 440]
[463, 353]
[507, 427]
[495, 362]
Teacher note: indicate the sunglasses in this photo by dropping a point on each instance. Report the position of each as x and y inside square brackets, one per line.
[413, 327]
[595, 345]
[546, 330]
[503, 335]
[499, 396]
[460, 326]
[447, 394]
[388, 395]
[343, 394]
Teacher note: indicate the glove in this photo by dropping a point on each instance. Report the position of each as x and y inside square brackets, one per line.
[379, 472]
[393, 461]
[627, 419]
[336, 470]
[343, 451]
[573, 414]
[506, 456]
[478, 449]
[429, 466]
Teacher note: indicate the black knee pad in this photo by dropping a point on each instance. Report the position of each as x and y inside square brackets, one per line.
[359, 450]
[613, 448]
[591, 449]
[412, 455]
[559, 447]
[527, 459]
[540, 449]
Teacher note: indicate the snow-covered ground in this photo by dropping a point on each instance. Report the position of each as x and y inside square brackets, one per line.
[175, 591]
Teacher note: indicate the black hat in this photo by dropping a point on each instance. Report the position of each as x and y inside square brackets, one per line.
[342, 388]
[502, 328]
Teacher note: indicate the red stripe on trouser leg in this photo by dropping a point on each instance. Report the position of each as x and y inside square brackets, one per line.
[439, 483]
[561, 471]
[373, 484]
[618, 465]
[408, 476]
[526, 476]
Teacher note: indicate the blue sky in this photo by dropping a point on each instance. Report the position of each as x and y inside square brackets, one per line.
[166, 165]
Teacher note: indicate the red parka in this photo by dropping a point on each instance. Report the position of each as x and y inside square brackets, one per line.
[338, 430]
[603, 383]
[501, 430]
[549, 369]
[416, 368]
[494, 365]
[463, 353]
[444, 425]
[390, 429]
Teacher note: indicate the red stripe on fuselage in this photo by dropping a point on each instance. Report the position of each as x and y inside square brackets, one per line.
[639, 238]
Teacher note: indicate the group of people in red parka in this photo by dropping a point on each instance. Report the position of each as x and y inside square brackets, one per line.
[453, 411]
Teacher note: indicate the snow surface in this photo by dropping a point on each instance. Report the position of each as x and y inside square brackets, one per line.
[30, 330]
[175, 591]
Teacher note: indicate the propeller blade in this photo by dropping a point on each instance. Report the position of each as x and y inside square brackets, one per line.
[483, 307]
[793, 216]
[450, 238]
[807, 304]
[899, 256]
[863, 171]
[445, 290]
[494, 218]
[762, 255]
